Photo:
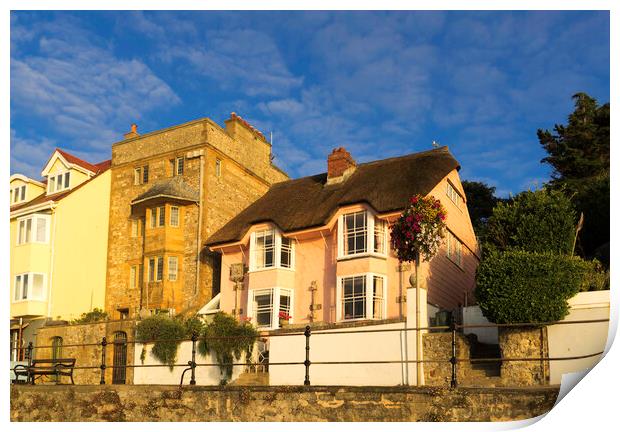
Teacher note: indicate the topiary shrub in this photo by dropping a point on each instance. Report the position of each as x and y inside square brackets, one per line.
[233, 340]
[163, 330]
[539, 221]
[526, 287]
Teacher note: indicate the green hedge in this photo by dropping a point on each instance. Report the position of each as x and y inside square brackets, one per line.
[518, 286]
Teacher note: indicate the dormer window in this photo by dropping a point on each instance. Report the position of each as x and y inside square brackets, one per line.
[361, 233]
[58, 182]
[18, 194]
[268, 249]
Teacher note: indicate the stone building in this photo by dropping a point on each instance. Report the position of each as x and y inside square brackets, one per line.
[170, 190]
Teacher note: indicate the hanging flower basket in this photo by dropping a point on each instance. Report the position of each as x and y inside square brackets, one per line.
[420, 229]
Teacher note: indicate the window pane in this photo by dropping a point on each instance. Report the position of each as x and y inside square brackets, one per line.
[172, 268]
[20, 236]
[264, 308]
[285, 253]
[137, 176]
[355, 233]
[264, 249]
[354, 297]
[160, 268]
[162, 216]
[285, 302]
[145, 174]
[153, 217]
[180, 166]
[67, 179]
[28, 230]
[151, 269]
[59, 182]
[37, 286]
[15, 195]
[174, 216]
[25, 286]
[377, 297]
[23, 191]
[52, 181]
[41, 229]
[379, 236]
[18, 287]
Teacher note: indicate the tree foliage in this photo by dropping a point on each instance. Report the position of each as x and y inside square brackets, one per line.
[481, 200]
[579, 154]
[534, 221]
[521, 287]
[227, 339]
[93, 316]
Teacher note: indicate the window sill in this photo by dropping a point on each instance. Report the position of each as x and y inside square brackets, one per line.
[29, 300]
[271, 268]
[362, 255]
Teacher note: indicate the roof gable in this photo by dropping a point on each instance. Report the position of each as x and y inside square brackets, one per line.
[69, 161]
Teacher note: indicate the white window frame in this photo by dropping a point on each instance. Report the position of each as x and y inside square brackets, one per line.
[453, 242]
[21, 194]
[177, 165]
[368, 294]
[277, 251]
[174, 259]
[370, 236]
[31, 275]
[453, 194]
[33, 230]
[178, 211]
[58, 181]
[276, 292]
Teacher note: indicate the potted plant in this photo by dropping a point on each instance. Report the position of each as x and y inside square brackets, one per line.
[283, 319]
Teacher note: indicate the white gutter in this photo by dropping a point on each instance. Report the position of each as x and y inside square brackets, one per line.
[27, 210]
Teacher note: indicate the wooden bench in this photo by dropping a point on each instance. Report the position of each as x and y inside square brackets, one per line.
[46, 367]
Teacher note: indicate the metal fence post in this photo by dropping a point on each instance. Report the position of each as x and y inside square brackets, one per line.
[29, 358]
[307, 362]
[453, 381]
[192, 381]
[104, 342]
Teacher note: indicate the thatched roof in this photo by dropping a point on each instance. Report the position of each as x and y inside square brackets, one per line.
[386, 185]
[171, 188]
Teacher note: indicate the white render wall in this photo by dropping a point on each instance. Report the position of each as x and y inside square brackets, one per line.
[571, 340]
[472, 315]
[205, 375]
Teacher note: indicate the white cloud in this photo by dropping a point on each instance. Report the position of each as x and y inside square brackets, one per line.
[75, 86]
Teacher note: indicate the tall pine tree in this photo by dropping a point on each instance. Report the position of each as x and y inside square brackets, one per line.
[579, 155]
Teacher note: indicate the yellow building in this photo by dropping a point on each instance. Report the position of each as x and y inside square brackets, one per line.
[59, 238]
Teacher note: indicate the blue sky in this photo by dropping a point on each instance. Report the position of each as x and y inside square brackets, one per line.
[380, 84]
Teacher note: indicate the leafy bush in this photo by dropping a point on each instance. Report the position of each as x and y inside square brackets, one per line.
[539, 221]
[595, 277]
[519, 286]
[163, 330]
[236, 339]
[93, 316]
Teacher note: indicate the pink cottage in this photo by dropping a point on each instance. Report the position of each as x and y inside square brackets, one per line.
[316, 250]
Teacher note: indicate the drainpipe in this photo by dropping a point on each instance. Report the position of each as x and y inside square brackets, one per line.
[51, 275]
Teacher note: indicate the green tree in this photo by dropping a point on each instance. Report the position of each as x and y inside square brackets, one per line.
[534, 221]
[481, 200]
[579, 154]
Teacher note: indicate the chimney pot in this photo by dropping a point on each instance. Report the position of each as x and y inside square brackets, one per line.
[133, 132]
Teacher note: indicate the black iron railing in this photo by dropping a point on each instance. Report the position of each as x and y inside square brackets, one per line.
[192, 364]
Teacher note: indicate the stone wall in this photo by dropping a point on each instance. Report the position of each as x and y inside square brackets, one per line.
[438, 346]
[524, 342]
[246, 173]
[168, 403]
[90, 355]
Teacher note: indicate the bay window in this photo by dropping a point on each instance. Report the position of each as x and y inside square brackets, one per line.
[265, 306]
[29, 286]
[269, 249]
[33, 229]
[361, 233]
[361, 297]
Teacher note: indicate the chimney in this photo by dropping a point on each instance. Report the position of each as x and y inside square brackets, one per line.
[340, 165]
[133, 132]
